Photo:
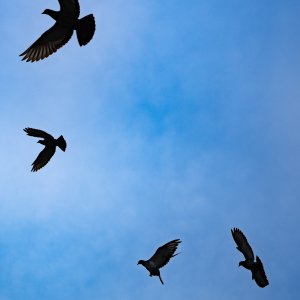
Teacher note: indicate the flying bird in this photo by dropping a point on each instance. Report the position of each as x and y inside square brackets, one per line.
[50, 144]
[256, 267]
[160, 258]
[67, 20]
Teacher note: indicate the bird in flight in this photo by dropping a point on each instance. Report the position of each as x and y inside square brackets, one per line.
[256, 267]
[160, 258]
[50, 144]
[67, 20]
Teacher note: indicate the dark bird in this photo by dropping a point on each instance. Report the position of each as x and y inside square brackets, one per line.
[160, 258]
[256, 268]
[50, 144]
[67, 20]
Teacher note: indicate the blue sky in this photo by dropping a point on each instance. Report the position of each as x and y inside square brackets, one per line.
[182, 121]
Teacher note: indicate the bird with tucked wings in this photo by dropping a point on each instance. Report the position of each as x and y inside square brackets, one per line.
[256, 267]
[50, 144]
[160, 258]
[67, 20]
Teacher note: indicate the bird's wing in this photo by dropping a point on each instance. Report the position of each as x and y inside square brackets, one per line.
[43, 158]
[38, 133]
[48, 43]
[70, 7]
[242, 244]
[163, 254]
[259, 274]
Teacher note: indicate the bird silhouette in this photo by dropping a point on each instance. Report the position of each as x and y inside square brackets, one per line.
[50, 144]
[160, 258]
[256, 268]
[67, 20]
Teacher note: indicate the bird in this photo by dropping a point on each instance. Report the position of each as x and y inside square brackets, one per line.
[160, 258]
[67, 20]
[50, 144]
[256, 267]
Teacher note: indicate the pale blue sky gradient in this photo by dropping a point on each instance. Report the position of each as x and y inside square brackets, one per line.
[182, 121]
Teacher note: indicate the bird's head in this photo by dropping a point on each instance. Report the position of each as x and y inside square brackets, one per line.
[141, 262]
[41, 142]
[241, 263]
[52, 13]
[46, 12]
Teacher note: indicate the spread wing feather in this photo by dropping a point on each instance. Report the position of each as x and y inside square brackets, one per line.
[259, 275]
[37, 133]
[242, 244]
[43, 158]
[48, 43]
[164, 253]
[70, 7]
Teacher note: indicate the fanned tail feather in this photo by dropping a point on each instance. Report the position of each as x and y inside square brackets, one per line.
[85, 29]
[61, 143]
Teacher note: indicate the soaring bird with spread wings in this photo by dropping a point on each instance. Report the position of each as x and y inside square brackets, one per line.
[67, 20]
[50, 144]
[160, 258]
[256, 268]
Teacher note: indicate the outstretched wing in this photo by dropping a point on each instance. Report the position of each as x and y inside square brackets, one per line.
[38, 133]
[70, 7]
[48, 43]
[43, 158]
[163, 254]
[242, 244]
[259, 275]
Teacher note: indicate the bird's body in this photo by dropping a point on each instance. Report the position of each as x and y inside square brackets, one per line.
[255, 266]
[67, 20]
[50, 144]
[160, 258]
[151, 267]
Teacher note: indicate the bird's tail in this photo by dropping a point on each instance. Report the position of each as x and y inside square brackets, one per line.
[61, 143]
[176, 254]
[85, 29]
[160, 279]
